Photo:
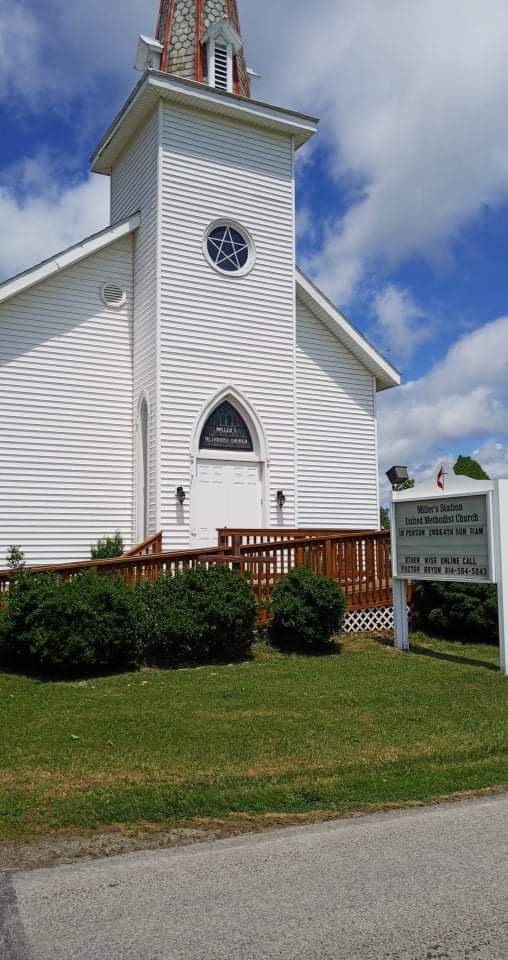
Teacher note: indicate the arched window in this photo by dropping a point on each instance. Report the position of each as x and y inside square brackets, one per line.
[225, 429]
[142, 512]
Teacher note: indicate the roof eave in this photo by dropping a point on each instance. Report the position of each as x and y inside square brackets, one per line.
[67, 258]
[386, 375]
[155, 85]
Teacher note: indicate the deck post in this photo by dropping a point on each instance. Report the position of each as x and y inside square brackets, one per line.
[400, 617]
[399, 593]
[501, 545]
[329, 565]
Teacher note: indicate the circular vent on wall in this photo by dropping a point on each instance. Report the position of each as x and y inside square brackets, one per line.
[113, 294]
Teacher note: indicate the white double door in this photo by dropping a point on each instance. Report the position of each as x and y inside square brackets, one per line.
[225, 493]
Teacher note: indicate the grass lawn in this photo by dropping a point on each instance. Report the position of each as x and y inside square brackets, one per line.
[369, 727]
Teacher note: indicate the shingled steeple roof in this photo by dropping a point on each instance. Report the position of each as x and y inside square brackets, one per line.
[201, 41]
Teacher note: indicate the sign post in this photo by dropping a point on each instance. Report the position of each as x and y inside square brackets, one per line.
[450, 528]
[501, 522]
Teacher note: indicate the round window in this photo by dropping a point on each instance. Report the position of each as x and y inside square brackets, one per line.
[229, 248]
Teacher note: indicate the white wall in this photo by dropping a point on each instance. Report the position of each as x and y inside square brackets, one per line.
[337, 447]
[218, 330]
[135, 187]
[66, 412]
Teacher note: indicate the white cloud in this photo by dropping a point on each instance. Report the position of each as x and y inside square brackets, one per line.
[43, 215]
[413, 99]
[493, 457]
[53, 52]
[21, 37]
[401, 324]
[463, 396]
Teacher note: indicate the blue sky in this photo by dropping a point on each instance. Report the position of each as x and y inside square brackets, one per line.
[402, 196]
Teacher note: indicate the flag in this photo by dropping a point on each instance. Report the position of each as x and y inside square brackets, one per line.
[441, 478]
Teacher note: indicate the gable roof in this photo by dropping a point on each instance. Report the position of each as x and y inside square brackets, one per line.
[223, 28]
[386, 375]
[67, 258]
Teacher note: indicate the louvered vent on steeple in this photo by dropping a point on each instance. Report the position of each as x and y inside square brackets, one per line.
[222, 67]
[198, 40]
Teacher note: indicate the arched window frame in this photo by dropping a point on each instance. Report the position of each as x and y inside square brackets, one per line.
[243, 433]
[230, 393]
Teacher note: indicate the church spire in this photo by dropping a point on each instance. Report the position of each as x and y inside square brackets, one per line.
[201, 41]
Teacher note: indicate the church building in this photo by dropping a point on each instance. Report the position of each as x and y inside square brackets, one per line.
[177, 371]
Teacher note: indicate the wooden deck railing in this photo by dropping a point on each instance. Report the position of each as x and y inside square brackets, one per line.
[152, 545]
[229, 537]
[359, 561]
[132, 569]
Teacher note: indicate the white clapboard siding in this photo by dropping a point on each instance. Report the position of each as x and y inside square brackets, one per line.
[66, 411]
[337, 449]
[216, 330]
[135, 187]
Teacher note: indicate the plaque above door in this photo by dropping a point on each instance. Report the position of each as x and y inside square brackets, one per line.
[225, 429]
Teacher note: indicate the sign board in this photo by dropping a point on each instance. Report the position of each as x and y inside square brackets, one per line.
[450, 529]
[448, 538]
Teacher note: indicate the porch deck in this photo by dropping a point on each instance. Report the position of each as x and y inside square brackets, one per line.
[358, 560]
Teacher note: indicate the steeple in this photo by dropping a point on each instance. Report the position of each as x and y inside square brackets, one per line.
[201, 41]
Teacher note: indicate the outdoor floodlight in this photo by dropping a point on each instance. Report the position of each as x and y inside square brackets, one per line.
[397, 476]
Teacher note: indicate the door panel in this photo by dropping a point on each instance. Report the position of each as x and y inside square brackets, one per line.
[224, 494]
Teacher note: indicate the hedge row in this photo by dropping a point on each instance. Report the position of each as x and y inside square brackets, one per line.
[98, 623]
[457, 611]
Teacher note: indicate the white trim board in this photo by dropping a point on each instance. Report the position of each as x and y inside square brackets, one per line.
[155, 86]
[67, 258]
[386, 375]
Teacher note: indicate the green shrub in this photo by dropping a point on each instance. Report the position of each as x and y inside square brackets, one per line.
[465, 612]
[66, 629]
[108, 548]
[200, 616]
[307, 611]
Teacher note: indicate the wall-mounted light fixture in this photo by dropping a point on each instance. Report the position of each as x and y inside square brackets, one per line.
[281, 499]
[181, 495]
[397, 476]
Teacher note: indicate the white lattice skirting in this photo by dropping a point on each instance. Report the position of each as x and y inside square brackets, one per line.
[376, 620]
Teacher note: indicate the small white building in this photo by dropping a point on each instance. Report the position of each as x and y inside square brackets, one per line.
[181, 347]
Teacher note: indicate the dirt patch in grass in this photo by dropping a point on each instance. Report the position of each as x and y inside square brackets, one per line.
[66, 847]
[51, 784]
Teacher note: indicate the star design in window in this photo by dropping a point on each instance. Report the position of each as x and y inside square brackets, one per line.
[228, 248]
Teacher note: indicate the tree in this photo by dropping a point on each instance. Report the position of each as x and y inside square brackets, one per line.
[108, 548]
[467, 467]
[15, 559]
